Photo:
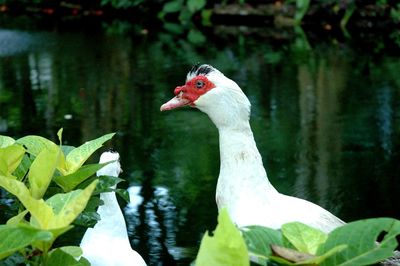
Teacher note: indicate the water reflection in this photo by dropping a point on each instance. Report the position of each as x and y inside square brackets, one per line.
[324, 121]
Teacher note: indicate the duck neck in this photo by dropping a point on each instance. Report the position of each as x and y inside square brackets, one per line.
[242, 169]
[111, 217]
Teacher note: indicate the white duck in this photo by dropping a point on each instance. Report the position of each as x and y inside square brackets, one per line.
[107, 243]
[243, 186]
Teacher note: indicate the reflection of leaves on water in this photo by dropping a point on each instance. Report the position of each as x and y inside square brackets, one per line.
[152, 224]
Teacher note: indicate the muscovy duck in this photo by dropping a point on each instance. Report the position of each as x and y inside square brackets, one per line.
[243, 186]
[107, 243]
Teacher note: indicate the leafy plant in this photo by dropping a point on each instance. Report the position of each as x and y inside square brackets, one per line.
[185, 10]
[29, 167]
[355, 243]
[225, 247]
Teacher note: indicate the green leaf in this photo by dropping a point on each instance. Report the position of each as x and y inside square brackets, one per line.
[69, 205]
[173, 27]
[67, 149]
[106, 184]
[23, 167]
[60, 257]
[14, 238]
[303, 237]
[74, 251]
[226, 247]
[258, 240]
[17, 218]
[69, 182]
[12, 156]
[196, 37]
[195, 5]
[42, 170]
[361, 238]
[76, 158]
[35, 144]
[40, 211]
[6, 141]
[173, 6]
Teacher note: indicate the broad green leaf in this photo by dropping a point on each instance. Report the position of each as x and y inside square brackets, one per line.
[69, 182]
[61, 257]
[69, 205]
[40, 211]
[361, 238]
[35, 144]
[14, 238]
[42, 170]
[225, 247]
[303, 237]
[17, 218]
[258, 240]
[12, 156]
[6, 141]
[79, 155]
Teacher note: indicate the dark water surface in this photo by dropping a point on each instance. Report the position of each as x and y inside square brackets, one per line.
[326, 121]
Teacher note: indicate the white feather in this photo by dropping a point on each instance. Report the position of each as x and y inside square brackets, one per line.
[107, 243]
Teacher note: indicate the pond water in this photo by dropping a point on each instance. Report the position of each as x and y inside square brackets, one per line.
[325, 119]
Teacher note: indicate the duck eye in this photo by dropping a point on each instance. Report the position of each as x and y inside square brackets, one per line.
[199, 84]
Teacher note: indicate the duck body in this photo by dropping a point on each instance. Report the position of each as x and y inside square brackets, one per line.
[243, 186]
[107, 243]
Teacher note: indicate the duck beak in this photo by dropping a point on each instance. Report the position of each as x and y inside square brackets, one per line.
[175, 102]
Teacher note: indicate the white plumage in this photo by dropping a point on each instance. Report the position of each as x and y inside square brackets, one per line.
[243, 186]
[107, 243]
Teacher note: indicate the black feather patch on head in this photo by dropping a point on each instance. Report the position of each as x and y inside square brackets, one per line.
[200, 69]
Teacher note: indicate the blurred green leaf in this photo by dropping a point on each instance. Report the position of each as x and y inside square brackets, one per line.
[173, 28]
[173, 6]
[225, 247]
[196, 37]
[195, 5]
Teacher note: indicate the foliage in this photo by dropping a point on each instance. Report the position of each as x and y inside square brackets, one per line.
[44, 177]
[185, 10]
[356, 243]
[225, 247]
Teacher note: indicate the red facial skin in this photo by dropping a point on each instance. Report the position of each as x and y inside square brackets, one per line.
[194, 88]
